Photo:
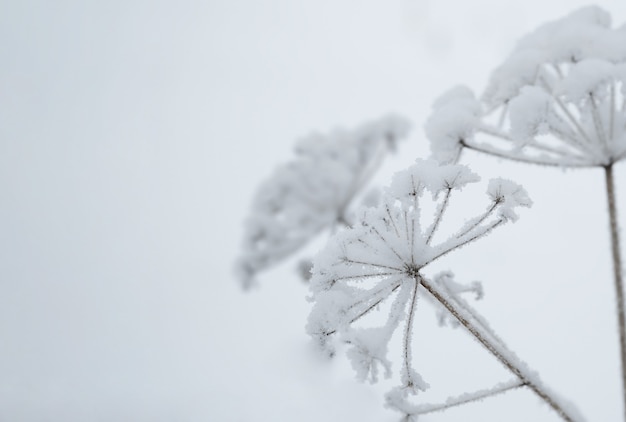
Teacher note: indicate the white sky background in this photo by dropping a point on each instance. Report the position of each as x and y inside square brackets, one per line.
[132, 137]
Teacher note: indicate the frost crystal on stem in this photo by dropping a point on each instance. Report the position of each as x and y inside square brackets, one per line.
[385, 254]
[313, 192]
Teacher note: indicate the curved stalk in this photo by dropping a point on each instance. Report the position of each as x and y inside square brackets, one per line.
[617, 272]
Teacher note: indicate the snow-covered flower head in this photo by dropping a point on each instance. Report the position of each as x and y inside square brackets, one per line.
[314, 191]
[386, 254]
[454, 120]
[558, 99]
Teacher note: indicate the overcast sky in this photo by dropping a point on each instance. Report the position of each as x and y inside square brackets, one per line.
[133, 135]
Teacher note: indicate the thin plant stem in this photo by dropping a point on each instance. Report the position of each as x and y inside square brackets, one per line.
[375, 304]
[576, 127]
[497, 133]
[360, 276]
[479, 221]
[415, 207]
[408, 332]
[372, 264]
[502, 354]
[502, 117]
[570, 117]
[381, 237]
[485, 231]
[395, 228]
[612, 112]
[617, 272]
[521, 159]
[364, 243]
[439, 217]
[597, 122]
[474, 314]
[468, 398]
[504, 154]
[558, 70]
[573, 120]
[370, 307]
[459, 153]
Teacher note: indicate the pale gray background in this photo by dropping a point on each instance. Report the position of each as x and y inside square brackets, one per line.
[132, 137]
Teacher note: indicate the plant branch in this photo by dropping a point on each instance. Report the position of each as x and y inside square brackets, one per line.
[522, 159]
[505, 109]
[597, 121]
[612, 112]
[479, 220]
[575, 125]
[440, 212]
[502, 354]
[459, 301]
[467, 398]
[415, 210]
[496, 133]
[381, 237]
[617, 272]
[371, 264]
[407, 334]
[375, 304]
[569, 116]
[370, 307]
[361, 276]
[577, 128]
[395, 228]
[485, 230]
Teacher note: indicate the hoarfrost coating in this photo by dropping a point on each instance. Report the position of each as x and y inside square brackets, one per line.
[313, 192]
[558, 100]
[385, 253]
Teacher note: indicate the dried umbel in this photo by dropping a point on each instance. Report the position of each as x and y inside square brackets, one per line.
[385, 257]
[388, 250]
[558, 99]
[313, 192]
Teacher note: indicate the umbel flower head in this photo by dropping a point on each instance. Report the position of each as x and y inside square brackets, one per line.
[313, 191]
[385, 255]
[558, 99]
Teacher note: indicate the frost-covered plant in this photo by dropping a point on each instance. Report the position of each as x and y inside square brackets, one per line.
[313, 192]
[558, 100]
[385, 256]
